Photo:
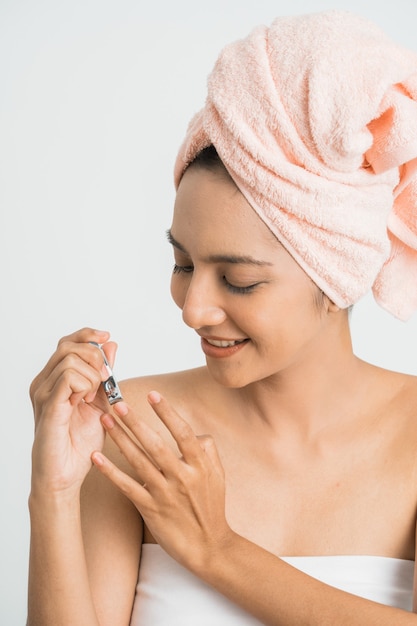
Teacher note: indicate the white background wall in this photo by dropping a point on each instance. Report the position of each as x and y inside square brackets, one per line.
[95, 96]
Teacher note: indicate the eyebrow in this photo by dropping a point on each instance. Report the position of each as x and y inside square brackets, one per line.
[220, 258]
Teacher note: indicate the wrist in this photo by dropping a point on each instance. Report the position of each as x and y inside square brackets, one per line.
[217, 555]
[53, 502]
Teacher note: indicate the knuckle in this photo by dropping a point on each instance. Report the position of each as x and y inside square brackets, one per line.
[95, 358]
[79, 335]
[34, 386]
[37, 398]
[64, 347]
[86, 330]
[70, 361]
[157, 446]
[184, 433]
[70, 378]
[187, 481]
[126, 487]
[206, 440]
[63, 341]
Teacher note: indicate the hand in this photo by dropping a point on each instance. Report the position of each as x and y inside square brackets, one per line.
[181, 499]
[67, 410]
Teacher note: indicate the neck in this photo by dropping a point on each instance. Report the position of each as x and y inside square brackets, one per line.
[326, 385]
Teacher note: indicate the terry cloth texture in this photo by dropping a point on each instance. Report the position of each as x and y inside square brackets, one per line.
[315, 119]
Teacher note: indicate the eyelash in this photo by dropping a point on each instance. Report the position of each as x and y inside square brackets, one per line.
[187, 269]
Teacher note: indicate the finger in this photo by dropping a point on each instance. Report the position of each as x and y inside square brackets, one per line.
[181, 431]
[110, 349]
[208, 444]
[71, 355]
[107, 350]
[144, 468]
[79, 342]
[161, 454]
[71, 386]
[88, 352]
[72, 380]
[84, 335]
[133, 490]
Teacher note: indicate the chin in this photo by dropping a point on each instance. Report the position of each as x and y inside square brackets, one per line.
[231, 378]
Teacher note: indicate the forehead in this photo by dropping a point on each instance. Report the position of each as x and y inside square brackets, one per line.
[211, 212]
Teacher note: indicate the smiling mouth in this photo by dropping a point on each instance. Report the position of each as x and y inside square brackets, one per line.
[218, 343]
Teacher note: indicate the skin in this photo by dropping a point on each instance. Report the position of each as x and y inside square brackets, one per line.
[292, 424]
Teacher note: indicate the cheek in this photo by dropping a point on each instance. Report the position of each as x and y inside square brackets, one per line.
[280, 320]
[178, 291]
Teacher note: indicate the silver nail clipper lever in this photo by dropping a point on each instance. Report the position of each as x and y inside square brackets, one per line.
[110, 385]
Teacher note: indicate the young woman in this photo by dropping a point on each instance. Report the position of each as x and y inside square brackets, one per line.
[277, 484]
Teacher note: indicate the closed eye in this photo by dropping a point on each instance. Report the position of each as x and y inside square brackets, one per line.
[187, 269]
[178, 269]
[239, 290]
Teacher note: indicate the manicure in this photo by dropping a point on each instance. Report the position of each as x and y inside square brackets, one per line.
[154, 397]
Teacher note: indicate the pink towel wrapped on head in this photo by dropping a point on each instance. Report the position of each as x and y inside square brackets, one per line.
[315, 119]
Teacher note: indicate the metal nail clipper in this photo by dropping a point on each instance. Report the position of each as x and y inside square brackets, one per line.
[110, 385]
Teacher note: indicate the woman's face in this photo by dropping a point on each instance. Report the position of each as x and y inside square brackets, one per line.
[254, 308]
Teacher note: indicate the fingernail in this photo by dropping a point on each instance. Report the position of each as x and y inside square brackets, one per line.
[97, 458]
[107, 421]
[121, 409]
[154, 397]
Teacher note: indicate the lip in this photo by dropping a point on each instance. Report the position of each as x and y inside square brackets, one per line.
[219, 352]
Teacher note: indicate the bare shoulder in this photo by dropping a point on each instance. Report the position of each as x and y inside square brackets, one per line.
[395, 397]
[171, 382]
[180, 388]
[401, 391]
[406, 402]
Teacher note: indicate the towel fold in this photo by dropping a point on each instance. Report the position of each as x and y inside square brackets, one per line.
[315, 119]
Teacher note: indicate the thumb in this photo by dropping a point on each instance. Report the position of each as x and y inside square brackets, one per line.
[110, 349]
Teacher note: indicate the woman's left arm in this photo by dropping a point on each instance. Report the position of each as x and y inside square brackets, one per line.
[182, 500]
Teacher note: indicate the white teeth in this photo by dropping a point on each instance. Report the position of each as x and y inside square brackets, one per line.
[222, 344]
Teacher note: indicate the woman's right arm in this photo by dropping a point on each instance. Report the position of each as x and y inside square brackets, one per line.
[85, 536]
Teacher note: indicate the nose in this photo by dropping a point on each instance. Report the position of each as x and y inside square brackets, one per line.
[202, 305]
